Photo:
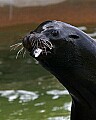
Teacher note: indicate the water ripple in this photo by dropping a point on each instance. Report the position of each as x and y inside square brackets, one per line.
[24, 96]
[59, 118]
[57, 93]
[66, 106]
[39, 104]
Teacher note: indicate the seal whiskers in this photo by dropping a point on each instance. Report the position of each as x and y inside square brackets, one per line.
[21, 50]
[41, 44]
[24, 53]
[15, 46]
[47, 44]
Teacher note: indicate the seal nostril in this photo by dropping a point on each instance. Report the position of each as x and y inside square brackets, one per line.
[26, 41]
[54, 33]
[32, 32]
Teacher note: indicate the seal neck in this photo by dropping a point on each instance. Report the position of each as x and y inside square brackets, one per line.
[79, 112]
[81, 87]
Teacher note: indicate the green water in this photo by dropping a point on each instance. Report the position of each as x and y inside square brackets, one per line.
[27, 91]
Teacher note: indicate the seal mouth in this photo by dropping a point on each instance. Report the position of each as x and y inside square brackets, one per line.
[37, 45]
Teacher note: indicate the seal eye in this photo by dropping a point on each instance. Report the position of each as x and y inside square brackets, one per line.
[74, 36]
[54, 33]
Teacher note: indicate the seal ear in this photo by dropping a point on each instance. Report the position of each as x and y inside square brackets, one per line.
[73, 36]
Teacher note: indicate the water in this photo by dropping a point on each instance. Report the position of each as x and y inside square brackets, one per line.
[27, 91]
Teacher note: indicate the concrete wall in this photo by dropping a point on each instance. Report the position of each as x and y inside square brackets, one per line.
[23, 3]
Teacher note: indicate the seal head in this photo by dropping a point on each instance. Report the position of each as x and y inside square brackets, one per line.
[70, 55]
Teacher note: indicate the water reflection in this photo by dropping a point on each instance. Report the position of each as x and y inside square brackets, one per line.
[59, 118]
[24, 96]
[39, 104]
[66, 106]
[57, 93]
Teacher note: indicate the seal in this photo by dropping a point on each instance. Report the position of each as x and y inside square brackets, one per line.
[70, 55]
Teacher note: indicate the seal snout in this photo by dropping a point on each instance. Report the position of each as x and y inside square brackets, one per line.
[26, 42]
[30, 40]
[37, 43]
